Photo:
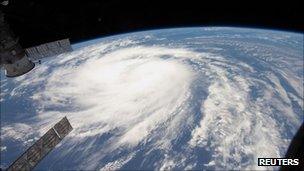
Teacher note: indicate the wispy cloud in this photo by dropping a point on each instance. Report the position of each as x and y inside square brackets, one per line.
[129, 102]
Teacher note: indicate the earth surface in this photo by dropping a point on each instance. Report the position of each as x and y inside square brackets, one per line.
[185, 98]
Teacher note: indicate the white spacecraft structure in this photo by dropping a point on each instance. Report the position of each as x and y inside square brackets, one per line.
[34, 154]
[16, 60]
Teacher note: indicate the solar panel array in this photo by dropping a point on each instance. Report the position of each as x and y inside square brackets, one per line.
[49, 49]
[32, 156]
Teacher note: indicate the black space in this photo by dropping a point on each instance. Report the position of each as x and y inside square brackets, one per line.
[40, 21]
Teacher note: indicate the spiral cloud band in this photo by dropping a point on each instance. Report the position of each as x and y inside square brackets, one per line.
[163, 106]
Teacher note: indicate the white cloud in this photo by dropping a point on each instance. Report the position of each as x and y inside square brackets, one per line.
[3, 148]
[18, 131]
[139, 98]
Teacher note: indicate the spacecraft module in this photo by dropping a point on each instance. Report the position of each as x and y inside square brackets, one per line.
[16, 60]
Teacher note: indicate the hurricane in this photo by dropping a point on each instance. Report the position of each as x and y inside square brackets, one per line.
[163, 100]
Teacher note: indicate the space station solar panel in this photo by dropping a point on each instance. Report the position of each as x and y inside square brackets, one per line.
[49, 49]
[33, 155]
[63, 127]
